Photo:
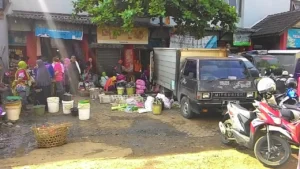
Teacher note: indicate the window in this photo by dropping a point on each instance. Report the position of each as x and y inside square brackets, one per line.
[237, 4]
[190, 67]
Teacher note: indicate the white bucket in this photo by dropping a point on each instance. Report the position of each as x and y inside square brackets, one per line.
[84, 111]
[13, 112]
[53, 104]
[67, 106]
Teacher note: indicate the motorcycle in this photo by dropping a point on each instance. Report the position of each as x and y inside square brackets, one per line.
[259, 130]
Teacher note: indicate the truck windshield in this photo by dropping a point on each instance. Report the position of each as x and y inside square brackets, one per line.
[223, 69]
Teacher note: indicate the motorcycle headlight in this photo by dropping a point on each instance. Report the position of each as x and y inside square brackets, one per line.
[277, 120]
[250, 94]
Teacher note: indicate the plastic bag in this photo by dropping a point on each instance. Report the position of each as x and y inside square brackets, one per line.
[167, 102]
[131, 101]
[149, 103]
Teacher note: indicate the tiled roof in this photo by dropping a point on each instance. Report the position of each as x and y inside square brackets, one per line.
[276, 24]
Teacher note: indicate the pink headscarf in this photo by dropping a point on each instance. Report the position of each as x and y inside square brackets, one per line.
[67, 62]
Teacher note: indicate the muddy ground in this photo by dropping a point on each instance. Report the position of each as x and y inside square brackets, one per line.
[125, 140]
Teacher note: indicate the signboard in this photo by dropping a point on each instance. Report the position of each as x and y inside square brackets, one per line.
[241, 39]
[178, 41]
[59, 31]
[137, 36]
[293, 39]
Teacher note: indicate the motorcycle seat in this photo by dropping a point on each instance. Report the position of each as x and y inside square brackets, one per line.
[288, 106]
[287, 114]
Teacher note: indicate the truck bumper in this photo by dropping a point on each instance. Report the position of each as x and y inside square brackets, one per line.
[216, 105]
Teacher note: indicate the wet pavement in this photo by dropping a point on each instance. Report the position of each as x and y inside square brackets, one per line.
[145, 135]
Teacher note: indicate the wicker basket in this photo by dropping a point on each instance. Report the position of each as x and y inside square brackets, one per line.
[51, 136]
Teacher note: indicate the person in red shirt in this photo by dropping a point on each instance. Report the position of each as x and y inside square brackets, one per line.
[58, 77]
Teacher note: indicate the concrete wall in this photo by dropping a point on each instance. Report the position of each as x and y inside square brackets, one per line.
[52, 6]
[4, 42]
[255, 10]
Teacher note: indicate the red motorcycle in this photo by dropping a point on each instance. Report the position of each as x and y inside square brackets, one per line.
[260, 130]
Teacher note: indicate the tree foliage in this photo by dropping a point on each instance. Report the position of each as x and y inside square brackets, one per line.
[191, 16]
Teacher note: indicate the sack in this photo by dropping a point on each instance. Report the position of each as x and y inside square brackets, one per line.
[140, 82]
[139, 91]
[140, 87]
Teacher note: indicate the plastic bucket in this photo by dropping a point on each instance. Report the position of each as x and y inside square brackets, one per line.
[39, 110]
[53, 104]
[130, 91]
[84, 111]
[157, 109]
[67, 106]
[120, 90]
[13, 112]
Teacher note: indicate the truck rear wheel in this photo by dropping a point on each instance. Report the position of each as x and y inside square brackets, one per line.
[185, 110]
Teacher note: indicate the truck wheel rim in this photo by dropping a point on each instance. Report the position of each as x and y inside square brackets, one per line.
[185, 108]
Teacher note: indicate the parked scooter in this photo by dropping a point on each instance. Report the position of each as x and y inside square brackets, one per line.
[259, 130]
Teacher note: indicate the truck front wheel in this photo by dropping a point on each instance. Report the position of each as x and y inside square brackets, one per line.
[186, 111]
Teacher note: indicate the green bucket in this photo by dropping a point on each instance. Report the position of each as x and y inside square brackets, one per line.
[130, 90]
[39, 110]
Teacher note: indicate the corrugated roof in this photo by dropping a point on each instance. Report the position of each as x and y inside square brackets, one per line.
[67, 18]
[276, 24]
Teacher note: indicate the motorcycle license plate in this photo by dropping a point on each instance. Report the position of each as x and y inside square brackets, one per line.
[231, 101]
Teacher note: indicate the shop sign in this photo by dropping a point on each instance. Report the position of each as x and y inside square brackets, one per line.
[241, 39]
[293, 39]
[17, 38]
[59, 31]
[136, 36]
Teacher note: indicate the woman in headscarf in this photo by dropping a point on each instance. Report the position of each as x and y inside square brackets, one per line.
[103, 80]
[67, 64]
[58, 77]
[110, 84]
[74, 74]
[43, 81]
[20, 85]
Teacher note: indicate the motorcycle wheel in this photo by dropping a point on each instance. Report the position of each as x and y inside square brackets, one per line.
[224, 137]
[262, 154]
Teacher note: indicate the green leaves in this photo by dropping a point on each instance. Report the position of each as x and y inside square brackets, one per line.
[191, 16]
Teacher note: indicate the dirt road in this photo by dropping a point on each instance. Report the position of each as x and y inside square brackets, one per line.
[125, 140]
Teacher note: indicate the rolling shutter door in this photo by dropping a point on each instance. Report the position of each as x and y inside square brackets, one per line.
[107, 59]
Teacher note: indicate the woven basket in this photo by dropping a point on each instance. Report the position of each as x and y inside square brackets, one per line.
[51, 136]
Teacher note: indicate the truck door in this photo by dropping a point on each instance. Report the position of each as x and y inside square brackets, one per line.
[188, 80]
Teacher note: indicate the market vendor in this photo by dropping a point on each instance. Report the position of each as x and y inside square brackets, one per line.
[110, 84]
[119, 68]
[20, 85]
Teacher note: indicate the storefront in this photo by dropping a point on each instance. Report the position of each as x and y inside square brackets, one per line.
[48, 36]
[59, 40]
[113, 45]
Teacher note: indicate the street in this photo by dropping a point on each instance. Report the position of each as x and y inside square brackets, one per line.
[125, 140]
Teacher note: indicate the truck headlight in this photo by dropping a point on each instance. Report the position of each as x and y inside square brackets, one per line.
[250, 94]
[205, 95]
